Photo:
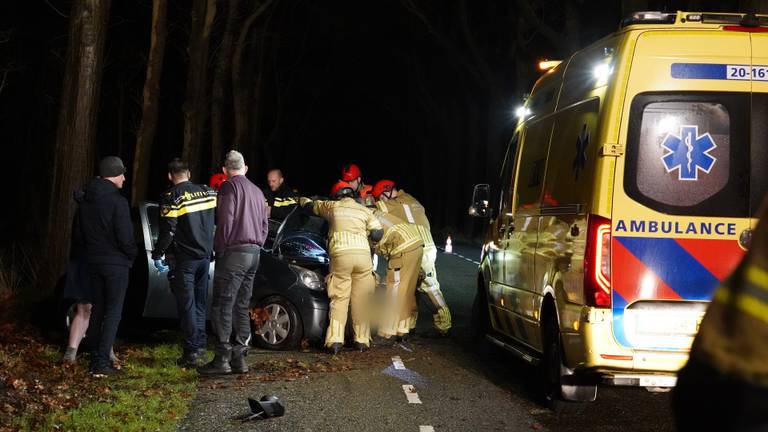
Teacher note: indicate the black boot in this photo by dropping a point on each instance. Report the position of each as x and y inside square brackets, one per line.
[335, 348]
[381, 341]
[189, 359]
[238, 363]
[361, 347]
[218, 366]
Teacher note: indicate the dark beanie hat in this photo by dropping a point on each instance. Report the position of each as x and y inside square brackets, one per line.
[111, 166]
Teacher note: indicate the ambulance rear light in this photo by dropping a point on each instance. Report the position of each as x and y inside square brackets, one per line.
[597, 262]
[746, 29]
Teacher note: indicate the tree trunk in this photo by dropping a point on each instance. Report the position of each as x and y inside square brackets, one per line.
[240, 91]
[146, 133]
[76, 130]
[195, 105]
[222, 83]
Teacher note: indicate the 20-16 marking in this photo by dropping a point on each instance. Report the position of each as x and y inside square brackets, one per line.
[741, 72]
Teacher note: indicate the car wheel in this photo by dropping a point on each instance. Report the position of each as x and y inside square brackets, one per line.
[480, 321]
[282, 330]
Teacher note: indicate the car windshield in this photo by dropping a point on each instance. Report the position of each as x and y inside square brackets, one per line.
[301, 221]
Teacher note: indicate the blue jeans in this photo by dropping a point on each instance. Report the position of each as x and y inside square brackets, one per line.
[109, 283]
[189, 282]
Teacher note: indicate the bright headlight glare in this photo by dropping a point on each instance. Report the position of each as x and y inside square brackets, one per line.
[310, 279]
[522, 112]
[602, 72]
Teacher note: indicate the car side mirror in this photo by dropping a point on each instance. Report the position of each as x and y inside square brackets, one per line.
[481, 204]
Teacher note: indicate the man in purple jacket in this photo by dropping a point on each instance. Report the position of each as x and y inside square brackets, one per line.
[241, 227]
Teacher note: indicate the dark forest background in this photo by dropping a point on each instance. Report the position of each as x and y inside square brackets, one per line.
[421, 92]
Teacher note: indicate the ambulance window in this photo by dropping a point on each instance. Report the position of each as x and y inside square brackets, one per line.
[758, 183]
[533, 162]
[506, 180]
[687, 155]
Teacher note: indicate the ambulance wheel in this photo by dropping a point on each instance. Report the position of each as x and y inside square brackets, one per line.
[480, 322]
[552, 362]
[282, 329]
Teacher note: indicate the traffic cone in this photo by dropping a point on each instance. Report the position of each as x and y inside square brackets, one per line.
[448, 245]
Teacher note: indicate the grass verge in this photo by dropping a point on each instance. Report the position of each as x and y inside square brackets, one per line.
[152, 393]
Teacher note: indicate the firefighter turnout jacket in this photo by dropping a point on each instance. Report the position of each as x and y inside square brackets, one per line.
[348, 225]
[733, 334]
[407, 208]
[399, 236]
[187, 213]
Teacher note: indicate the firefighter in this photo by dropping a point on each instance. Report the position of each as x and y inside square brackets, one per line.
[352, 175]
[402, 247]
[724, 386]
[350, 225]
[406, 207]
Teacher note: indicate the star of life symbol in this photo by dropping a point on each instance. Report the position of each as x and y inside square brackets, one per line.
[688, 153]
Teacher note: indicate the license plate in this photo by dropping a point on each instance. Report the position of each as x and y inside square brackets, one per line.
[664, 324]
[658, 381]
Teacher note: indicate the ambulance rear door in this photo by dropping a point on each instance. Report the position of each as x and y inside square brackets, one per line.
[682, 188]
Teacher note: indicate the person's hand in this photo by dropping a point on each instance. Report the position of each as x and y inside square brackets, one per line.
[161, 266]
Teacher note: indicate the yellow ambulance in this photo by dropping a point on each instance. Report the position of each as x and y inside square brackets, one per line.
[626, 195]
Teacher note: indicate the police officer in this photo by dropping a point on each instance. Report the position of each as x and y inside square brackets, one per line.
[724, 386]
[186, 240]
[350, 225]
[351, 174]
[406, 207]
[402, 247]
[281, 199]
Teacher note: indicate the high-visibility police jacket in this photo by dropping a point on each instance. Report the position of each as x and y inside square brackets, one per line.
[407, 208]
[399, 236]
[187, 213]
[349, 225]
[733, 336]
[282, 201]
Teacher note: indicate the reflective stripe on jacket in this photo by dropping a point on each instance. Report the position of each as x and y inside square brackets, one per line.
[733, 336]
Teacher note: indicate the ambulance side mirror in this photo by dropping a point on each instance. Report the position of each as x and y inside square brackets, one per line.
[481, 203]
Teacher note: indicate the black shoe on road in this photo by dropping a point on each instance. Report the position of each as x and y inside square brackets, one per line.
[104, 371]
[335, 348]
[238, 365]
[361, 347]
[216, 366]
[381, 341]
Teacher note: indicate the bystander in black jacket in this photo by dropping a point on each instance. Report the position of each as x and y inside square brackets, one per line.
[281, 201]
[105, 223]
[187, 213]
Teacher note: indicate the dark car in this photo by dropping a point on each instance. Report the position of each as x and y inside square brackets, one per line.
[289, 289]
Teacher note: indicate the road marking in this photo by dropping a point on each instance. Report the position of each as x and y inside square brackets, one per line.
[397, 362]
[461, 256]
[410, 394]
[426, 429]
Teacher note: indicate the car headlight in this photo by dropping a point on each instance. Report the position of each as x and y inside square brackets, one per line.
[309, 278]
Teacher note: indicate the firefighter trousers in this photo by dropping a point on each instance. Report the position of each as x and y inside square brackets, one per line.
[350, 280]
[430, 287]
[402, 277]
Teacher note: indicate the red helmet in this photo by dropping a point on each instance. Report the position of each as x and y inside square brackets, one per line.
[350, 172]
[342, 189]
[383, 186]
[216, 180]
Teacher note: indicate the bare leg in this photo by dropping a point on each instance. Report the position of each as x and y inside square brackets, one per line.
[79, 325]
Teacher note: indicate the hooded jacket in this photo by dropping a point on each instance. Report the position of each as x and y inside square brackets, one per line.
[105, 225]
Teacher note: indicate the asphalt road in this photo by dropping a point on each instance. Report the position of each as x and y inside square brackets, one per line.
[457, 386]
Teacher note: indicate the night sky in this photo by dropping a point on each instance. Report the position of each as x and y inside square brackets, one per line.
[425, 100]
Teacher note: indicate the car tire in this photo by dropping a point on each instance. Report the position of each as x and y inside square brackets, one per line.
[283, 330]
